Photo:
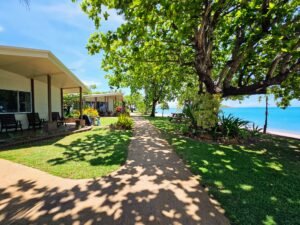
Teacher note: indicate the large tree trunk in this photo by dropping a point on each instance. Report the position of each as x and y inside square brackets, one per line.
[153, 108]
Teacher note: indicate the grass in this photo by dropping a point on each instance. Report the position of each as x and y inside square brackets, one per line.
[255, 184]
[88, 154]
[105, 121]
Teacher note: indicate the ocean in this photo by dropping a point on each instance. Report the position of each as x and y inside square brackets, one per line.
[281, 120]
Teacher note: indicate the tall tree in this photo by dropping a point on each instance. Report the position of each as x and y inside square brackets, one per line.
[236, 47]
[136, 100]
[140, 67]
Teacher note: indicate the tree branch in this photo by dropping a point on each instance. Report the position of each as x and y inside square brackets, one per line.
[261, 87]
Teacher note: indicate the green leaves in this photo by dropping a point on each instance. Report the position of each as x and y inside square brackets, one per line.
[106, 15]
[232, 47]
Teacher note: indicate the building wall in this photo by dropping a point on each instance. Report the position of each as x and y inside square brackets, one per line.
[111, 104]
[15, 82]
[109, 99]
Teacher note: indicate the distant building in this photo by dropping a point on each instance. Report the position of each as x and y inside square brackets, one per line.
[107, 103]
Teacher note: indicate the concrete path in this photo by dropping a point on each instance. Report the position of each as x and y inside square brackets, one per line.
[154, 187]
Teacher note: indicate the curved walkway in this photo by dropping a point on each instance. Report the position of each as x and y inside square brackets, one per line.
[153, 187]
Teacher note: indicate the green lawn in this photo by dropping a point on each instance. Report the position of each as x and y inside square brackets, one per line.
[88, 154]
[108, 120]
[255, 184]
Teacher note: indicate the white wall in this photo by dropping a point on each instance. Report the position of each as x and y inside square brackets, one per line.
[110, 101]
[15, 82]
[111, 104]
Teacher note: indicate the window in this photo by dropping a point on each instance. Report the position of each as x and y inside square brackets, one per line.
[14, 101]
[24, 102]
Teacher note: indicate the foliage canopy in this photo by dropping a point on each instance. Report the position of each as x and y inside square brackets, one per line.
[231, 47]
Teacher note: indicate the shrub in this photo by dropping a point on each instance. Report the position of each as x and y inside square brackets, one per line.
[255, 131]
[124, 122]
[74, 114]
[187, 110]
[90, 112]
[119, 109]
[204, 110]
[231, 126]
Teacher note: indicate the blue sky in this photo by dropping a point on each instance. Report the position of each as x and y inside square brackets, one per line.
[61, 27]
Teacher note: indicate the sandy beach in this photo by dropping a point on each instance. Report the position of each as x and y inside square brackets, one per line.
[284, 134]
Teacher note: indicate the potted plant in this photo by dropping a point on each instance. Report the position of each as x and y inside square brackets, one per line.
[92, 113]
[72, 117]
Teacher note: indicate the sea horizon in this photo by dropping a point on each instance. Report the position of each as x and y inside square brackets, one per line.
[279, 120]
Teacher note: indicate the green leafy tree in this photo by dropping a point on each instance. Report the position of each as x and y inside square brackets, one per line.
[132, 69]
[137, 101]
[70, 101]
[233, 47]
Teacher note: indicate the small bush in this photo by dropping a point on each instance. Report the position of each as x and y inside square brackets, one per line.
[90, 112]
[74, 114]
[124, 122]
[255, 131]
[231, 126]
[187, 111]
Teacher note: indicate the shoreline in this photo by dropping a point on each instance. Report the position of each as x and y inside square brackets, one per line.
[284, 134]
[270, 131]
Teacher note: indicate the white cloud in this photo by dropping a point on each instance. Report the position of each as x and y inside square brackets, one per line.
[68, 13]
[77, 65]
[68, 10]
[1, 28]
[71, 14]
[173, 104]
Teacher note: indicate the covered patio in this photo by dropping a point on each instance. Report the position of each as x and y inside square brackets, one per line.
[34, 81]
[107, 104]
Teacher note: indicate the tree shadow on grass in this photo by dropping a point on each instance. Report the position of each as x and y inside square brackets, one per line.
[97, 149]
[257, 183]
[152, 188]
[260, 178]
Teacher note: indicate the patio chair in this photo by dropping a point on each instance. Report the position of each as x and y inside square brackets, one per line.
[34, 120]
[8, 121]
[56, 117]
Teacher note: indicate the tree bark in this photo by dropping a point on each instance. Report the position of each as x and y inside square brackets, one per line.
[266, 118]
[153, 108]
[224, 84]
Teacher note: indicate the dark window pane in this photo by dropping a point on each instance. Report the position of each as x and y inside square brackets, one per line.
[8, 101]
[24, 101]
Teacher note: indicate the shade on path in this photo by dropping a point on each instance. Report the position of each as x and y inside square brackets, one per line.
[154, 187]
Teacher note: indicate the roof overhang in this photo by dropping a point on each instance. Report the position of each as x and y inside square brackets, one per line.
[91, 97]
[37, 64]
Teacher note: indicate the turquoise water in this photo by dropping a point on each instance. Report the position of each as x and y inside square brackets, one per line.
[167, 112]
[285, 120]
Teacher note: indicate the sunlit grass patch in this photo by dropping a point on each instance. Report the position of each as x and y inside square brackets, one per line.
[83, 155]
[255, 184]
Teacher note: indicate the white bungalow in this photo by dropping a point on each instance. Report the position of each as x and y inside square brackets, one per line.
[105, 103]
[32, 81]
